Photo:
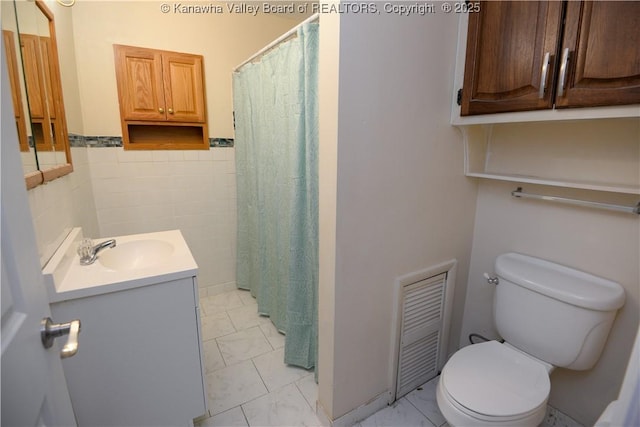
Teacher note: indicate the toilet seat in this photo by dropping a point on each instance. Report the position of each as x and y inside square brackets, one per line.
[493, 382]
[462, 416]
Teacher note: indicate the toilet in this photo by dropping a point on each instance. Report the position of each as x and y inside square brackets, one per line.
[549, 316]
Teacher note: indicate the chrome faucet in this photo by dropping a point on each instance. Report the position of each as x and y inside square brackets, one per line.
[89, 253]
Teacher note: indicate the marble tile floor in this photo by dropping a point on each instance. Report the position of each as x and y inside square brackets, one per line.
[249, 384]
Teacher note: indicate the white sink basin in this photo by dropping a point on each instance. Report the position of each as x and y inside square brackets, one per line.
[136, 254]
[137, 260]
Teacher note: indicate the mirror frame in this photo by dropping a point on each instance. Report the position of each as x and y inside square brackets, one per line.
[42, 176]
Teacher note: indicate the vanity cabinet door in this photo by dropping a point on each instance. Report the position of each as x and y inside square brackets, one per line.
[507, 44]
[140, 85]
[602, 39]
[139, 360]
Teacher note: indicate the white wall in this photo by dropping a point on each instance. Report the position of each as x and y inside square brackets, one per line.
[402, 202]
[602, 152]
[603, 243]
[328, 75]
[224, 39]
[68, 66]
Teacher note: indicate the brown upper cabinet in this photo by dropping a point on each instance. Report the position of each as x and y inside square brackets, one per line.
[525, 55]
[16, 93]
[159, 88]
[44, 89]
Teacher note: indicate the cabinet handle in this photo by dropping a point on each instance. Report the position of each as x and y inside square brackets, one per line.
[543, 76]
[170, 110]
[160, 110]
[563, 72]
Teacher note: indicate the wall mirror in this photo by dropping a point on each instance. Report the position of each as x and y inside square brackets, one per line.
[31, 49]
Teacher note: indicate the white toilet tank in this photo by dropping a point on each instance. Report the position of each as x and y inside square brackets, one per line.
[552, 312]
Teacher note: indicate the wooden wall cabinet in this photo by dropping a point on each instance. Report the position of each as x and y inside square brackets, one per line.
[44, 92]
[536, 55]
[16, 92]
[162, 99]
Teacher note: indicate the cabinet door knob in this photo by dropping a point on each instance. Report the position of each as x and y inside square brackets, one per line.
[563, 72]
[543, 75]
[160, 110]
[170, 110]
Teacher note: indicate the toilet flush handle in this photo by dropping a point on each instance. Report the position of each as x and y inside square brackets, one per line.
[492, 280]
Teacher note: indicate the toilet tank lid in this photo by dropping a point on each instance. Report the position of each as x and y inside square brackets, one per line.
[560, 282]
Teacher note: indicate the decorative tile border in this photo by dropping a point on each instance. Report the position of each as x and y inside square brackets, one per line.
[221, 142]
[76, 140]
[116, 141]
[103, 141]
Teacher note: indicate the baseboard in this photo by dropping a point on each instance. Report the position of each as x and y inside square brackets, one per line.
[358, 414]
[208, 291]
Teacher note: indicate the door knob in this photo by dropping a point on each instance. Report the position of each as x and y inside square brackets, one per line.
[49, 331]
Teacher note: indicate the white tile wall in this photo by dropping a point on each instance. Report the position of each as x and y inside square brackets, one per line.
[115, 192]
[50, 205]
[61, 204]
[194, 191]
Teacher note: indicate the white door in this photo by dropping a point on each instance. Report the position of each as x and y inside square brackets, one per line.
[34, 391]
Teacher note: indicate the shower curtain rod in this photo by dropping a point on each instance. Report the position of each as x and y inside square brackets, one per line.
[277, 41]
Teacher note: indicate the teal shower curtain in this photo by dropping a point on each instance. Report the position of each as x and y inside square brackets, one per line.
[276, 119]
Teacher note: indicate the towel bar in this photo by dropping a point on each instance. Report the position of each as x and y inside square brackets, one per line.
[619, 208]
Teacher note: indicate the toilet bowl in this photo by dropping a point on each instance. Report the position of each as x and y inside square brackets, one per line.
[549, 316]
[493, 384]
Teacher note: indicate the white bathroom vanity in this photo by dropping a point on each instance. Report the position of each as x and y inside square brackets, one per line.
[139, 360]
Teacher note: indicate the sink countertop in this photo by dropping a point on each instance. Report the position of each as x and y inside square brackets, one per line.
[66, 279]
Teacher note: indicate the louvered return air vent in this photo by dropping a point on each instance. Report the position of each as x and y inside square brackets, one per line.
[420, 334]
